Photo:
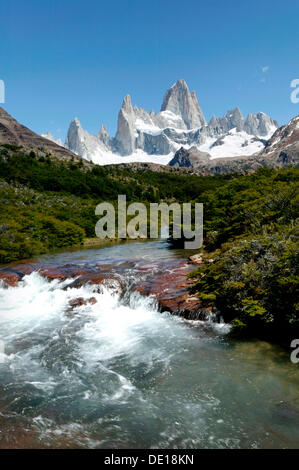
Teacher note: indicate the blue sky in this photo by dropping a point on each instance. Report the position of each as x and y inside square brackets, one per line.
[61, 59]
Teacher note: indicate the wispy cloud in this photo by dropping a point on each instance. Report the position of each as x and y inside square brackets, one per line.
[264, 70]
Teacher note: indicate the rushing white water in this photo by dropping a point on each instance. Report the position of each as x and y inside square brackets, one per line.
[118, 373]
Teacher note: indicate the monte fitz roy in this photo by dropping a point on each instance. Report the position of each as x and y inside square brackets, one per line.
[156, 137]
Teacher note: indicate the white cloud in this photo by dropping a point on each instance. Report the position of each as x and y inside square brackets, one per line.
[265, 68]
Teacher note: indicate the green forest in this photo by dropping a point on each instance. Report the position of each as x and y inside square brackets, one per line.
[48, 203]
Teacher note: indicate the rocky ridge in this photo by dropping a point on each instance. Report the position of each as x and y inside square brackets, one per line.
[14, 133]
[281, 150]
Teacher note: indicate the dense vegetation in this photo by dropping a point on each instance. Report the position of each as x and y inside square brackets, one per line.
[250, 231]
[48, 203]
[98, 182]
[251, 237]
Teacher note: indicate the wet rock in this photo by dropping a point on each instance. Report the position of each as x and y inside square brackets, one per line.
[74, 272]
[25, 268]
[196, 259]
[53, 271]
[90, 278]
[79, 301]
[10, 278]
[52, 274]
[172, 290]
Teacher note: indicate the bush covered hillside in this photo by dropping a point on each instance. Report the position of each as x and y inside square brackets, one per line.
[251, 241]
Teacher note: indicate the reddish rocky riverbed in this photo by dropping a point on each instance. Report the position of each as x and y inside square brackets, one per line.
[167, 281]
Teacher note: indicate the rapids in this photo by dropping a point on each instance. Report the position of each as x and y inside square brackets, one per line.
[118, 373]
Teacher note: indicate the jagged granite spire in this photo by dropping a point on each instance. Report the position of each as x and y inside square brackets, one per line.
[125, 136]
[74, 136]
[259, 124]
[181, 102]
[103, 135]
[85, 144]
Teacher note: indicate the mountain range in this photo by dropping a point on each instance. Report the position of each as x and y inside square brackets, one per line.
[281, 150]
[155, 137]
[178, 138]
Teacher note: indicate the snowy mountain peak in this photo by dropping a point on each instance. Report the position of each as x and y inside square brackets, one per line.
[76, 122]
[103, 129]
[127, 105]
[235, 114]
[285, 141]
[235, 118]
[180, 123]
[260, 124]
[125, 136]
[103, 135]
[181, 102]
[180, 83]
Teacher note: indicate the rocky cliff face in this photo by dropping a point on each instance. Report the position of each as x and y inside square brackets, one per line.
[104, 136]
[191, 158]
[84, 144]
[126, 129]
[255, 124]
[179, 101]
[180, 122]
[283, 147]
[259, 124]
[138, 130]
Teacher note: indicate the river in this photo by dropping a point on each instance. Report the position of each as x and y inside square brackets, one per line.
[112, 371]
